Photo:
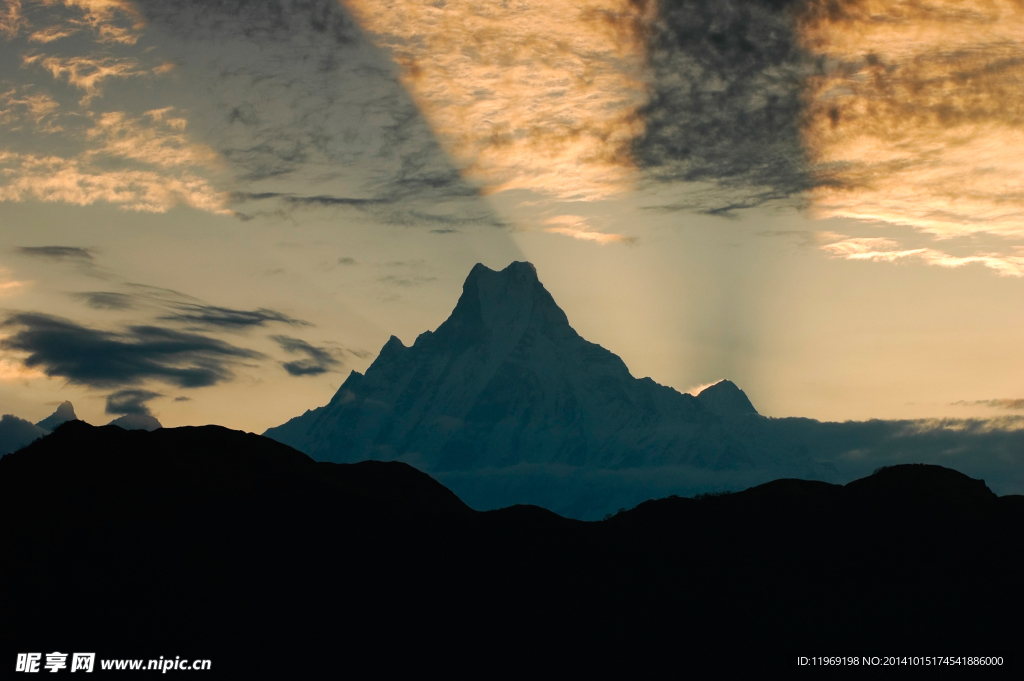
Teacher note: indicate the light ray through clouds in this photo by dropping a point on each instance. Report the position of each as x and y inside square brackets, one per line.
[525, 95]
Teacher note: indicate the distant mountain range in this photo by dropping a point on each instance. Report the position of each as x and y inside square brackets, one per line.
[16, 432]
[216, 544]
[505, 403]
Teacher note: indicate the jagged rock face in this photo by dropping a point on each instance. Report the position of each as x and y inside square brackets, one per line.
[65, 412]
[504, 381]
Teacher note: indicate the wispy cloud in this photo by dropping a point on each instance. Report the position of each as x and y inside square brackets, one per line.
[318, 360]
[87, 73]
[576, 227]
[23, 104]
[78, 181]
[106, 300]
[192, 313]
[52, 33]
[881, 249]
[1016, 404]
[159, 142]
[109, 21]
[11, 18]
[59, 253]
[211, 316]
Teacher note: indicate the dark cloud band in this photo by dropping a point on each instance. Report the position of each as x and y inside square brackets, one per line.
[104, 359]
[73, 253]
[106, 300]
[130, 401]
[318, 360]
[210, 316]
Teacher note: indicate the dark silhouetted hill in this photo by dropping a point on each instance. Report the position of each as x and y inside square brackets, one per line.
[212, 543]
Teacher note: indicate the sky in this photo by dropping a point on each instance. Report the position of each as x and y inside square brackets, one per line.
[214, 210]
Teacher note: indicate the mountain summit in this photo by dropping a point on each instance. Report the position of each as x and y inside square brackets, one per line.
[727, 400]
[506, 383]
[64, 412]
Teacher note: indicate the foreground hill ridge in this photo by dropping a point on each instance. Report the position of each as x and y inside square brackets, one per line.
[16, 432]
[506, 382]
[117, 539]
[74, 442]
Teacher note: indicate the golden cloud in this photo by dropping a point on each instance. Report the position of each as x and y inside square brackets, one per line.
[112, 21]
[21, 104]
[523, 94]
[879, 249]
[76, 181]
[51, 33]
[576, 227]
[161, 144]
[11, 18]
[917, 118]
[86, 73]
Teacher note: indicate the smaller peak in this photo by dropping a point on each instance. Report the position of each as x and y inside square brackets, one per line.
[726, 399]
[394, 343]
[391, 350]
[66, 409]
[64, 412]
